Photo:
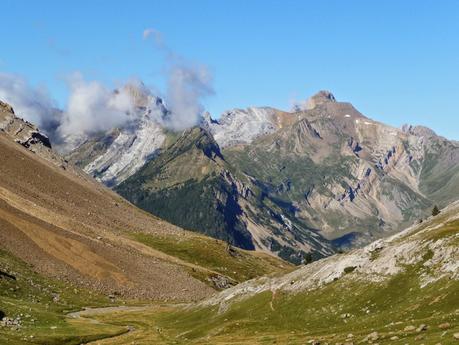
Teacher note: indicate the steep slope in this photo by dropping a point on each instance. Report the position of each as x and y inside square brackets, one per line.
[436, 161]
[191, 185]
[400, 290]
[186, 184]
[70, 227]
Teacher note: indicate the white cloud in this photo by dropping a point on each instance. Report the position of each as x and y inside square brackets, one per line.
[31, 103]
[187, 85]
[93, 107]
[153, 33]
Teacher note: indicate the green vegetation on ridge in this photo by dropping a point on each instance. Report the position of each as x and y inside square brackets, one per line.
[218, 256]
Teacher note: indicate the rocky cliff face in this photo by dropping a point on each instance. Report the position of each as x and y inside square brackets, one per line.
[242, 126]
[112, 157]
[23, 132]
[28, 135]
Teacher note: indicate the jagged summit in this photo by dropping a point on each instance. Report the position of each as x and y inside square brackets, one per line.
[312, 102]
[200, 139]
[321, 97]
[419, 131]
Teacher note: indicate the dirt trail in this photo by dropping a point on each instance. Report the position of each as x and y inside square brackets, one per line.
[273, 295]
[88, 312]
[131, 333]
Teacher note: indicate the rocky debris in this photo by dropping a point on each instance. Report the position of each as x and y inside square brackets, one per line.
[56, 297]
[221, 282]
[14, 323]
[456, 336]
[345, 315]
[409, 328]
[419, 337]
[372, 336]
[421, 328]
[7, 275]
[394, 254]
[314, 342]
[444, 325]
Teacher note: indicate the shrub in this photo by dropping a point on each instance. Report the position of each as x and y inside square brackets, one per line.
[349, 269]
[435, 211]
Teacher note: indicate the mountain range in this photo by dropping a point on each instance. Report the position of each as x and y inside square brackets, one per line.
[79, 263]
[301, 184]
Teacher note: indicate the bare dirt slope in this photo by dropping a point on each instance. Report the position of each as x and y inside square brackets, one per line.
[70, 227]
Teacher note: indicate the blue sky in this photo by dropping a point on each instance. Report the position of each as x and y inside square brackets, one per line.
[396, 61]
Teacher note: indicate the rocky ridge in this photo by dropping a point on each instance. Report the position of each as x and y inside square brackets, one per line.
[377, 262]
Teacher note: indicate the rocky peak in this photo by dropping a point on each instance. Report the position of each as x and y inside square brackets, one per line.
[22, 131]
[322, 97]
[6, 108]
[138, 92]
[319, 98]
[201, 139]
[419, 131]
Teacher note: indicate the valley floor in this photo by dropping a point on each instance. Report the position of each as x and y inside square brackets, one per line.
[306, 318]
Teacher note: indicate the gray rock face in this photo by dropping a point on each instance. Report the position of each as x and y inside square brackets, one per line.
[419, 131]
[114, 156]
[242, 126]
[23, 132]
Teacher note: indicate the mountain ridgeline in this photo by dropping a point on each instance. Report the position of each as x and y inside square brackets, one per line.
[189, 184]
[298, 184]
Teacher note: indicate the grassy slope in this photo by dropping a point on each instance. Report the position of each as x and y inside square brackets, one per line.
[239, 265]
[30, 296]
[266, 318]
[297, 319]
